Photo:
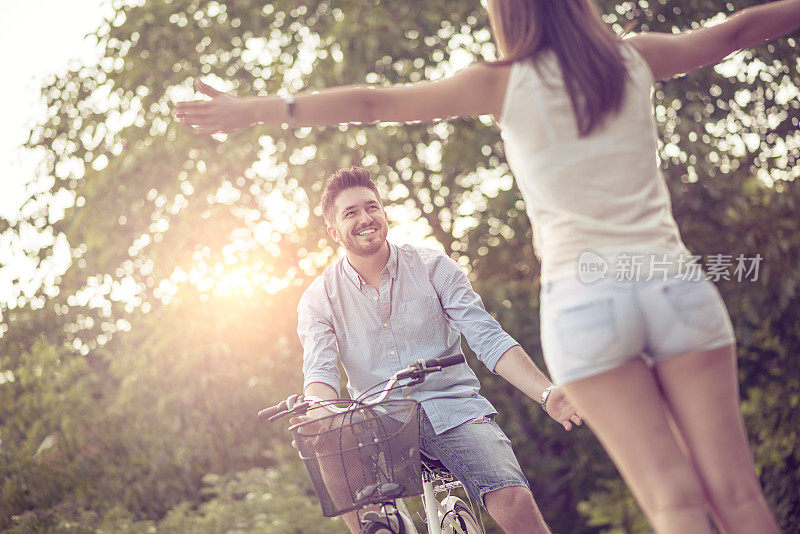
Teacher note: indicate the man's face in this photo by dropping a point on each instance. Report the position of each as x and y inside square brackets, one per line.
[359, 221]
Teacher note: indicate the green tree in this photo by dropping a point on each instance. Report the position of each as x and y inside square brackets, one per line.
[174, 322]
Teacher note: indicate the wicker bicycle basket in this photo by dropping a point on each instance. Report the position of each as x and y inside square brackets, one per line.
[367, 455]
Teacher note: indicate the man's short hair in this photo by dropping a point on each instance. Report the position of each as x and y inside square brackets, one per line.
[338, 182]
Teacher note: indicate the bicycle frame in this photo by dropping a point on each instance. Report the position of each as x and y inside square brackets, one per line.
[435, 510]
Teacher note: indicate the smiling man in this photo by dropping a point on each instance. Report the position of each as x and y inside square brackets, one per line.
[382, 307]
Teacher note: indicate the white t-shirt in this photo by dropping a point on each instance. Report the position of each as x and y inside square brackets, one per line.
[604, 193]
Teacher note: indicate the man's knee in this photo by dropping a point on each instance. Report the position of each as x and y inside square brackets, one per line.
[515, 510]
[516, 499]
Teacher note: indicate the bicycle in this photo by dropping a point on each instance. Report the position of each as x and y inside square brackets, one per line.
[367, 454]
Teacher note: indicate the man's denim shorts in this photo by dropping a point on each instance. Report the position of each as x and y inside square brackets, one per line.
[588, 329]
[477, 452]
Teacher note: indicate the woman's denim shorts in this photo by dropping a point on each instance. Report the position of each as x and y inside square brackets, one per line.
[588, 329]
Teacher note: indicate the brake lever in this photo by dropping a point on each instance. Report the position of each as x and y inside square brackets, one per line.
[418, 379]
[419, 372]
[279, 415]
[297, 409]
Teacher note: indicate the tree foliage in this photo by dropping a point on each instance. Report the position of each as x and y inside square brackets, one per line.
[130, 381]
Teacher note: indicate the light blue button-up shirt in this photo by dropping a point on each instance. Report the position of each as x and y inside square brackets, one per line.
[423, 305]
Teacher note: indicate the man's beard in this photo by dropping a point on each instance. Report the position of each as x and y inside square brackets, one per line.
[359, 247]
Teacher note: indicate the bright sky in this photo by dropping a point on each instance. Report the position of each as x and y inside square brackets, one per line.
[37, 37]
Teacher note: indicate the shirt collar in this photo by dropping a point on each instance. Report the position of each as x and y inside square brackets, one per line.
[391, 268]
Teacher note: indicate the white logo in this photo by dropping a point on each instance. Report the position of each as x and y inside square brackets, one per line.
[591, 267]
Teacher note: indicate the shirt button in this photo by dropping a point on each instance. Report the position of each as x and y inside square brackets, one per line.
[374, 298]
[386, 325]
[391, 352]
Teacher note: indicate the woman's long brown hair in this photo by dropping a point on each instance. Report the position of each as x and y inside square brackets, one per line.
[588, 51]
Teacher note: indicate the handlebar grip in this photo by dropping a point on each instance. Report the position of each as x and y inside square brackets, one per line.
[420, 368]
[445, 361]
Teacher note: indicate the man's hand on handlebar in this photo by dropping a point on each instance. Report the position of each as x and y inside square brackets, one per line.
[560, 408]
[298, 407]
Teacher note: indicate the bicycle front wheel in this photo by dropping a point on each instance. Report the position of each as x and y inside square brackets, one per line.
[459, 519]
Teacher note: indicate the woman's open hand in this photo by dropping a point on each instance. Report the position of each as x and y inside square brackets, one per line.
[222, 114]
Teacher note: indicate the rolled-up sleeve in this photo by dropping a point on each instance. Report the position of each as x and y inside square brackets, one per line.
[465, 310]
[317, 335]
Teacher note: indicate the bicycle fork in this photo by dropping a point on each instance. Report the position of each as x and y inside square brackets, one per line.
[433, 510]
[431, 505]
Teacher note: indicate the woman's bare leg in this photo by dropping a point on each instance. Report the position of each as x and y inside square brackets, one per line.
[625, 409]
[702, 391]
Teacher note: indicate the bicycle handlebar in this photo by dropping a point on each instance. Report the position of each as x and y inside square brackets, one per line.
[298, 404]
[420, 368]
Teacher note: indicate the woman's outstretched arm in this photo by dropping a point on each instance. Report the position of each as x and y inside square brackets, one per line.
[476, 90]
[669, 55]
